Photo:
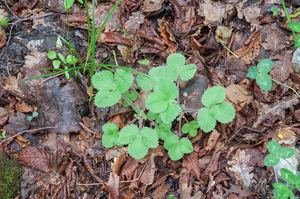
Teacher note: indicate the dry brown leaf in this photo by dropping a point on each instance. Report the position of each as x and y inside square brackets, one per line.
[212, 140]
[151, 5]
[283, 66]
[167, 36]
[25, 108]
[275, 40]
[158, 151]
[149, 171]
[128, 169]
[256, 157]
[188, 19]
[11, 84]
[266, 111]
[22, 141]
[113, 186]
[250, 49]
[118, 162]
[112, 153]
[250, 12]
[3, 120]
[223, 34]
[238, 96]
[241, 168]
[285, 136]
[161, 191]
[118, 121]
[2, 37]
[35, 158]
[185, 191]
[134, 22]
[190, 162]
[242, 193]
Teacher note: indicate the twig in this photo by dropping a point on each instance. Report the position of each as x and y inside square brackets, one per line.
[11, 10]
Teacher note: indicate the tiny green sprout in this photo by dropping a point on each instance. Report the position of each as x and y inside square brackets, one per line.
[4, 21]
[190, 128]
[35, 114]
[171, 197]
[275, 11]
[176, 149]
[143, 62]
[3, 134]
[185, 94]
[111, 135]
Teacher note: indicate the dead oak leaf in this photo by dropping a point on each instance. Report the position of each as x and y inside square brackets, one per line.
[238, 96]
[241, 168]
[275, 40]
[266, 111]
[283, 66]
[134, 22]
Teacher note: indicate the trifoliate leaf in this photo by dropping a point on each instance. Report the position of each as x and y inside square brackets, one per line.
[186, 145]
[157, 72]
[286, 152]
[252, 72]
[274, 147]
[264, 81]
[170, 113]
[175, 152]
[128, 133]
[163, 133]
[213, 96]
[150, 137]
[206, 120]
[104, 80]
[190, 128]
[265, 66]
[137, 148]
[109, 140]
[172, 73]
[176, 60]
[223, 112]
[171, 141]
[166, 86]
[145, 82]
[157, 102]
[106, 98]
[110, 128]
[187, 72]
[123, 80]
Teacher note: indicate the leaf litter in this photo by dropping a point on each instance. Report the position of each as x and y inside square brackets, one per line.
[61, 149]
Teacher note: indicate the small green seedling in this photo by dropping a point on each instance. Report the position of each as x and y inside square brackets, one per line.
[275, 11]
[163, 105]
[4, 21]
[295, 27]
[171, 197]
[3, 134]
[276, 152]
[56, 62]
[35, 114]
[69, 3]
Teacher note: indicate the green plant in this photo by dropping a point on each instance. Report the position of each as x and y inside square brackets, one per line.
[296, 28]
[4, 21]
[171, 197]
[35, 114]
[163, 105]
[275, 11]
[276, 152]
[260, 74]
[3, 134]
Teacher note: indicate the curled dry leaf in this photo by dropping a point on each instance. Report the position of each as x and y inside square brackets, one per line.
[185, 191]
[90, 169]
[114, 38]
[134, 22]
[283, 66]
[285, 136]
[149, 171]
[212, 140]
[190, 162]
[275, 40]
[266, 111]
[128, 169]
[151, 5]
[113, 186]
[35, 158]
[22, 141]
[240, 166]
[167, 36]
[3, 120]
[25, 108]
[161, 191]
[118, 162]
[238, 96]
[118, 121]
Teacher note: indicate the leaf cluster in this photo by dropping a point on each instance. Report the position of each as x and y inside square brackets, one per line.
[4, 21]
[295, 27]
[260, 74]
[282, 191]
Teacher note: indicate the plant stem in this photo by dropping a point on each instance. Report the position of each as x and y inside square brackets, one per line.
[178, 102]
[286, 86]
[131, 104]
[287, 16]
[229, 50]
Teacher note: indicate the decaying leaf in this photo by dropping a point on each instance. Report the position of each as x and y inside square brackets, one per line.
[25, 108]
[185, 191]
[118, 121]
[223, 34]
[238, 96]
[285, 136]
[250, 12]
[118, 162]
[266, 111]
[275, 40]
[241, 168]
[245, 192]
[151, 5]
[190, 162]
[149, 171]
[113, 186]
[128, 169]
[35, 158]
[134, 22]
[283, 66]
[22, 141]
[212, 140]
[161, 191]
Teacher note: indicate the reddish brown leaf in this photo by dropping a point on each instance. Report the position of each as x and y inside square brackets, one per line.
[22, 141]
[113, 186]
[2, 37]
[275, 40]
[3, 120]
[161, 191]
[118, 121]
[212, 140]
[167, 36]
[242, 193]
[90, 169]
[34, 158]
[128, 169]
[114, 38]
[118, 162]
[239, 96]
[149, 171]
[190, 162]
[283, 66]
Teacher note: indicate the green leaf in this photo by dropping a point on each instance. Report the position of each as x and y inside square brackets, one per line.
[280, 186]
[292, 196]
[171, 141]
[166, 86]
[145, 82]
[297, 42]
[51, 54]
[265, 66]
[252, 72]
[109, 140]
[186, 145]
[206, 120]
[67, 73]
[164, 132]
[56, 64]
[71, 59]
[123, 80]
[274, 147]
[110, 128]
[294, 26]
[277, 193]
[157, 73]
[298, 181]
[68, 4]
[104, 80]
[128, 133]
[170, 113]
[223, 112]
[157, 102]
[288, 176]
[150, 137]
[190, 128]
[80, 1]
[176, 60]
[264, 81]
[171, 197]
[35, 114]
[131, 96]
[271, 160]
[187, 72]
[152, 115]
[106, 98]
[172, 73]
[29, 118]
[213, 96]
[137, 148]
[286, 152]
[143, 62]
[175, 152]
[61, 57]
